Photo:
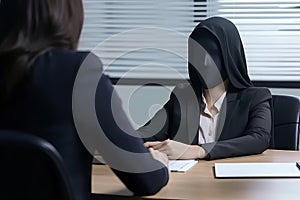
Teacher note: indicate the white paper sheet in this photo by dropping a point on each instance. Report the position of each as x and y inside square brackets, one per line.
[181, 165]
[256, 170]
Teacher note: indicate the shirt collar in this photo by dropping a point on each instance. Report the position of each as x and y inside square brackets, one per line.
[218, 103]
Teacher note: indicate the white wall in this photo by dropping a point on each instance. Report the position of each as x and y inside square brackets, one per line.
[141, 103]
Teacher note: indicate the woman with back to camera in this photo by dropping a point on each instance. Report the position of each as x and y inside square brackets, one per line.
[38, 67]
[221, 114]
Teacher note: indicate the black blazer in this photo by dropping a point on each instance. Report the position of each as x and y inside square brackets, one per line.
[244, 127]
[43, 106]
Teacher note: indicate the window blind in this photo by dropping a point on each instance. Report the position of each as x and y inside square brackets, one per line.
[271, 35]
[152, 35]
[148, 39]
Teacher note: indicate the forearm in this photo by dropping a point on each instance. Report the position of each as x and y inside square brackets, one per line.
[142, 184]
[157, 128]
[254, 139]
[195, 152]
[245, 145]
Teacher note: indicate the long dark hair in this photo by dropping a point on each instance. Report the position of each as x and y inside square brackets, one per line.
[29, 28]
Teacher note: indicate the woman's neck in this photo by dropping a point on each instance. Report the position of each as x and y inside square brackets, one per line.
[213, 94]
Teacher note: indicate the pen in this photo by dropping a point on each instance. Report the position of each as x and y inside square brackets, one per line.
[298, 165]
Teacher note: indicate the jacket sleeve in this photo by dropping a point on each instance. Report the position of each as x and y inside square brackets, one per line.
[157, 128]
[122, 148]
[256, 136]
[169, 122]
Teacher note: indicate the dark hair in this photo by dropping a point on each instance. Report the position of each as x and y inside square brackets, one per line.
[30, 28]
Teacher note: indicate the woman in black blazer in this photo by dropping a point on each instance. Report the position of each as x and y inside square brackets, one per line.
[38, 68]
[220, 114]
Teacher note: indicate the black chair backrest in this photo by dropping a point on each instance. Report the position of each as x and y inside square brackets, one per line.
[286, 122]
[31, 169]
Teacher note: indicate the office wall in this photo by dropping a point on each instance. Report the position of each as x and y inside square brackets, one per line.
[141, 103]
[295, 92]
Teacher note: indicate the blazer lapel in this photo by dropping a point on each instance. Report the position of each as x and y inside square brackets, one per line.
[193, 117]
[228, 108]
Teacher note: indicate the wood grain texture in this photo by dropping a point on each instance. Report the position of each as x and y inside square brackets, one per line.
[200, 183]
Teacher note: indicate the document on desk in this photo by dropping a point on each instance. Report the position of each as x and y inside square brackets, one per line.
[257, 170]
[181, 165]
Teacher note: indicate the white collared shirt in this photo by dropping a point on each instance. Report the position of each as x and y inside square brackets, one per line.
[208, 122]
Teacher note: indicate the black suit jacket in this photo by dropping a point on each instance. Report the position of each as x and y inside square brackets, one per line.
[43, 106]
[244, 127]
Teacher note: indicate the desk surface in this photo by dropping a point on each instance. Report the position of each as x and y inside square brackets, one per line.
[199, 182]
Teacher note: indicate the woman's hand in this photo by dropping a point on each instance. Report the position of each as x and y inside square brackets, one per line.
[177, 150]
[161, 157]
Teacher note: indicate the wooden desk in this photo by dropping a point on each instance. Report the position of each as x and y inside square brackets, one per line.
[199, 182]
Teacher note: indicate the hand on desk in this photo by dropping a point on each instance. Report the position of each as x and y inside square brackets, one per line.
[177, 150]
[161, 157]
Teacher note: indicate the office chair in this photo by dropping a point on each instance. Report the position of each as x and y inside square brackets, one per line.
[31, 169]
[286, 122]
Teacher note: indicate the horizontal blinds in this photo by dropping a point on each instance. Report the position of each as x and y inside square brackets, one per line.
[271, 34]
[152, 35]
